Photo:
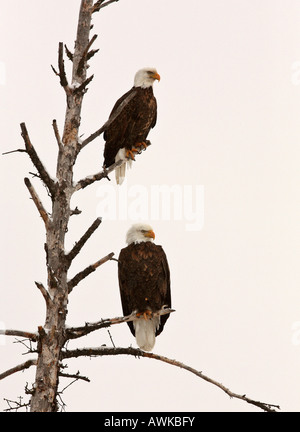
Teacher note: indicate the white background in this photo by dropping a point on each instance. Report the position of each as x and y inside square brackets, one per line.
[228, 119]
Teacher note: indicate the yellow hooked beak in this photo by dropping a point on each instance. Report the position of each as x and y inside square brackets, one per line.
[156, 76]
[150, 234]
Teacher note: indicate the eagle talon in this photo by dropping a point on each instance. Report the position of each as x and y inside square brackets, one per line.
[141, 146]
[129, 153]
[147, 314]
[105, 172]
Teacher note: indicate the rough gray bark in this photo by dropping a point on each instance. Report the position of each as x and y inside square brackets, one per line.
[52, 335]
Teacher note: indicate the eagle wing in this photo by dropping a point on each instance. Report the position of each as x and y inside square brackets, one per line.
[164, 288]
[125, 291]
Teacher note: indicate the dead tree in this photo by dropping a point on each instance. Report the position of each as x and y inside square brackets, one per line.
[51, 338]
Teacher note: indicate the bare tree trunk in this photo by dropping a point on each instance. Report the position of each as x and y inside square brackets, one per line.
[52, 335]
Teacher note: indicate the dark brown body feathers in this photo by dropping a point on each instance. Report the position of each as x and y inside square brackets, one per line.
[144, 280]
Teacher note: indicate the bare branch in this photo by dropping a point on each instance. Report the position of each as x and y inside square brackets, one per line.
[77, 332]
[78, 246]
[88, 270]
[81, 184]
[84, 56]
[44, 292]
[83, 86]
[91, 53]
[61, 66]
[36, 161]
[97, 5]
[101, 4]
[102, 351]
[94, 135]
[28, 335]
[54, 70]
[37, 202]
[68, 52]
[76, 376]
[76, 211]
[18, 368]
[57, 135]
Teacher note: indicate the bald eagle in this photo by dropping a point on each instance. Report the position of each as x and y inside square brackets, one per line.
[127, 134]
[144, 280]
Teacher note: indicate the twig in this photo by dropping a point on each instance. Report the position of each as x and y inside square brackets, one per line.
[60, 402]
[34, 174]
[139, 353]
[54, 70]
[17, 406]
[76, 376]
[37, 202]
[111, 339]
[84, 273]
[78, 246]
[115, 259]
[18, 368]
[29, 348]
[36, 161]
[14, 151]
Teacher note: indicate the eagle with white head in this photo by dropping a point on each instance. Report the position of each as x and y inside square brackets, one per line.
[144, 281]
[127, 133]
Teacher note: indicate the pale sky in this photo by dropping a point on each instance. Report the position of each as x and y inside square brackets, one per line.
[226, 143]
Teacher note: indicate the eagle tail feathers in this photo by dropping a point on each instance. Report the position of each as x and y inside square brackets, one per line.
[121, 170]
[145, 332]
